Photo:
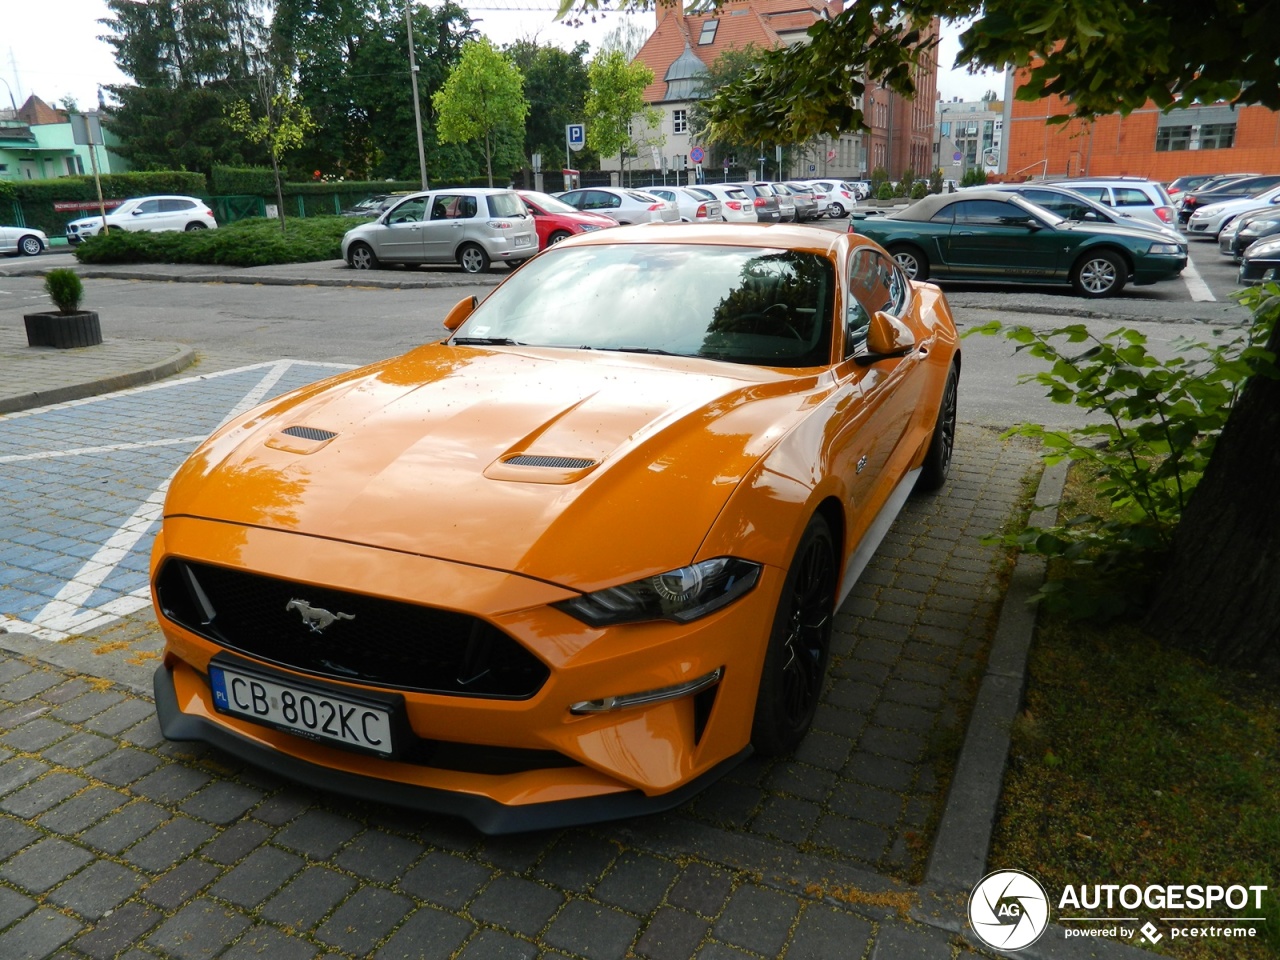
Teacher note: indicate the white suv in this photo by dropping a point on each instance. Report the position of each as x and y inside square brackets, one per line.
[147, 213]
[1128, 197]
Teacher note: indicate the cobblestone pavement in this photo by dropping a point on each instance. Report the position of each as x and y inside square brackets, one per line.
[115, 843]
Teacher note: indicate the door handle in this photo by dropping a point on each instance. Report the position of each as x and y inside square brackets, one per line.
[966, 233]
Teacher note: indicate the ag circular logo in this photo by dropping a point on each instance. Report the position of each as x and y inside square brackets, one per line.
[1008, 909]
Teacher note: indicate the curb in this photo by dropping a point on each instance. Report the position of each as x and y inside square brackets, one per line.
[179, 360]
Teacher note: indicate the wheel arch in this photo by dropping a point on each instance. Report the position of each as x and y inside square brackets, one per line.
[1125, 255]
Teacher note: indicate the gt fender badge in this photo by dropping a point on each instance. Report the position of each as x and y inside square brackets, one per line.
[317, 619]
[862, 462]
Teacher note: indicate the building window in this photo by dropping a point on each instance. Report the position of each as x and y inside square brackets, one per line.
[708, 34]
[1217, 136]
[679, 121]
[1173, 138]
[944, 128]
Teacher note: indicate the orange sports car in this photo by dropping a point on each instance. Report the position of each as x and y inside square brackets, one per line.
[580, 557]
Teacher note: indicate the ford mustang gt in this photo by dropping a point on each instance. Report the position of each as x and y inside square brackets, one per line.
[578, 558]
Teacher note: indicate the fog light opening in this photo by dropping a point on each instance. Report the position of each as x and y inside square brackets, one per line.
[648, 697]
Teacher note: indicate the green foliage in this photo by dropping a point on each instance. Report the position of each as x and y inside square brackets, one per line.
[245, 243]
[1151, 429]
[483, 96]
[732, 66]
[615, 100]
[906, 182]
[241, 181]
[974, 177]
[919, 189]
[64, 289]
[879, 177]
[885, 192]
[935, 180]
[556, 86]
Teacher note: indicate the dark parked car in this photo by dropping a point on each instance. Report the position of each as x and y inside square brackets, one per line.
[1261, 262]
[763, 199]
[1246, 230]
[1233, 190]
[992, 235]
[1182, 185]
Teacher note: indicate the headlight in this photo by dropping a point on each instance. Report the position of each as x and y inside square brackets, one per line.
[1257, 227]
[588, 227]
[1166, 250]
[680, 595]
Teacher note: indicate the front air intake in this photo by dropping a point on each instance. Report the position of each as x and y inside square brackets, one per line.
[309, 433]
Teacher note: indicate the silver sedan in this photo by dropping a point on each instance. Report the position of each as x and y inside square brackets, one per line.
[622, 204]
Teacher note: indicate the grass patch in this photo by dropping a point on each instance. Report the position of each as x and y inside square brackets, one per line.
[246, 243]
[1134, 763]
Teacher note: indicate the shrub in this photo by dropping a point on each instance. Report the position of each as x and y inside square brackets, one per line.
[885, 192]
[920, 189]
[245, 243]
[64, 289]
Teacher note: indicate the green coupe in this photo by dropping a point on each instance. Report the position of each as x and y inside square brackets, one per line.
[992, 235]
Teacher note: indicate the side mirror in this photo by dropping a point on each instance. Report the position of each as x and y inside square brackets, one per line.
[137, 213]
[461, 310]
[887, 337]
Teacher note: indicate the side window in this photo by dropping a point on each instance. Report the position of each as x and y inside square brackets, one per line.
[573, 199]
[1129, 197]
[1098, 194]
[946, 215]
[175, 206]
[148, 206]
[989, 212]
[411, 211]
[874, 285]
[466, 208]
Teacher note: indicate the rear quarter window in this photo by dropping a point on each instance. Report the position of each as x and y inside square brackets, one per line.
[505, 205]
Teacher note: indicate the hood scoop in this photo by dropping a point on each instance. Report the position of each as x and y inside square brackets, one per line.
[540, 468]
[300, 439]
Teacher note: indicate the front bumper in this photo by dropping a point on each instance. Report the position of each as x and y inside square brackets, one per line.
[1253, 272]
[1153, 269]
[486, 815]
[612, 763]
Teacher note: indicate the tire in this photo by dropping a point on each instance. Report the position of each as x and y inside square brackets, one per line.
[912, 261]
[30, 246]
[361, 257]
[557, 237]
[836, 210]
[795, 663]
[1099, 274]
[514, 265]
[473, 259]
[937, 460]
[196, 225]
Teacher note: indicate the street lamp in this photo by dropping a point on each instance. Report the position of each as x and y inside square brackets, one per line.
[413, 81]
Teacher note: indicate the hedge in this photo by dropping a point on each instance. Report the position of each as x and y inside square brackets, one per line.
[245, 243]
[37, 197]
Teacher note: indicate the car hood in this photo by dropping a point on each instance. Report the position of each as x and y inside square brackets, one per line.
[1242, 205]
[594, 219]
[627, 460]
[1263, 249]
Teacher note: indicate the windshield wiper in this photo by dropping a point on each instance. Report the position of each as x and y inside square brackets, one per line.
[653, 350]
[485, 342]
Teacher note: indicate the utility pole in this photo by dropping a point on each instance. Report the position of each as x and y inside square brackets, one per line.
[413, 81]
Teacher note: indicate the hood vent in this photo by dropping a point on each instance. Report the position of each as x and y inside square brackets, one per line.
[309, 433]
[551, 463]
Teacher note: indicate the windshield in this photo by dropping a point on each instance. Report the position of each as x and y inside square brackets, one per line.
[549, 203]
[754, 305]
[506, 205]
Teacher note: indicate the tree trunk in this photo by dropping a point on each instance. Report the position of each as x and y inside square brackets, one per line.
[275, 166]
[1220, 595]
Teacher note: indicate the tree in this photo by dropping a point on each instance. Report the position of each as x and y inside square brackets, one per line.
[483, 95]
[616, 102]
[281, 124]
[1105, 57]
[729, 68]
[556, 84]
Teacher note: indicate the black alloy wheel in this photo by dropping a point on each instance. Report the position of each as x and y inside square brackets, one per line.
[799, 645]
[937, 460]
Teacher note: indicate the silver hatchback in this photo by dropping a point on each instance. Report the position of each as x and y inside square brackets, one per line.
[470, 226]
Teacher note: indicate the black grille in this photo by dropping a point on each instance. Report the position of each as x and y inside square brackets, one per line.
[372, 640]
[309, 433]
[556, 463]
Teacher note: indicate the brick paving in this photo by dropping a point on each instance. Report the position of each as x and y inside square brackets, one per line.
[117, 844]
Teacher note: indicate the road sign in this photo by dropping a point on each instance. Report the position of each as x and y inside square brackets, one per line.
[696, 155]
[957, 156]
[575, 134]
[813, 168]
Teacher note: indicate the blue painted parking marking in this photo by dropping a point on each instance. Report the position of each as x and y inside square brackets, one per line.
[82, 485]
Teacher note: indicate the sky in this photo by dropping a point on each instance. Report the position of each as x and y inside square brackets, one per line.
[51, 47]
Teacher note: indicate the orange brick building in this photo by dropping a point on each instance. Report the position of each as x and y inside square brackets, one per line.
[1217, 138]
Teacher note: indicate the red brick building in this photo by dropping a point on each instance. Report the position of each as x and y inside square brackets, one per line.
[1216, 138]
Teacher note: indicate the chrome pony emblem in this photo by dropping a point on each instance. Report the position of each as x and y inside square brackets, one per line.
[317, 618]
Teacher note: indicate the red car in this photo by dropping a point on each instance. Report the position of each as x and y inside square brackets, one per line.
[555, 220]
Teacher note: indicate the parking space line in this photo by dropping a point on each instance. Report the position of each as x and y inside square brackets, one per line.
[1196, 286]
[68, 612]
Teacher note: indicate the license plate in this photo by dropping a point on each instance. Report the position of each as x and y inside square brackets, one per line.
[523, 241]
[316, 713]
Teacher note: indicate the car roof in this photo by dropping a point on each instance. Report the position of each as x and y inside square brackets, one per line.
[926, 207]
[787, 236]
